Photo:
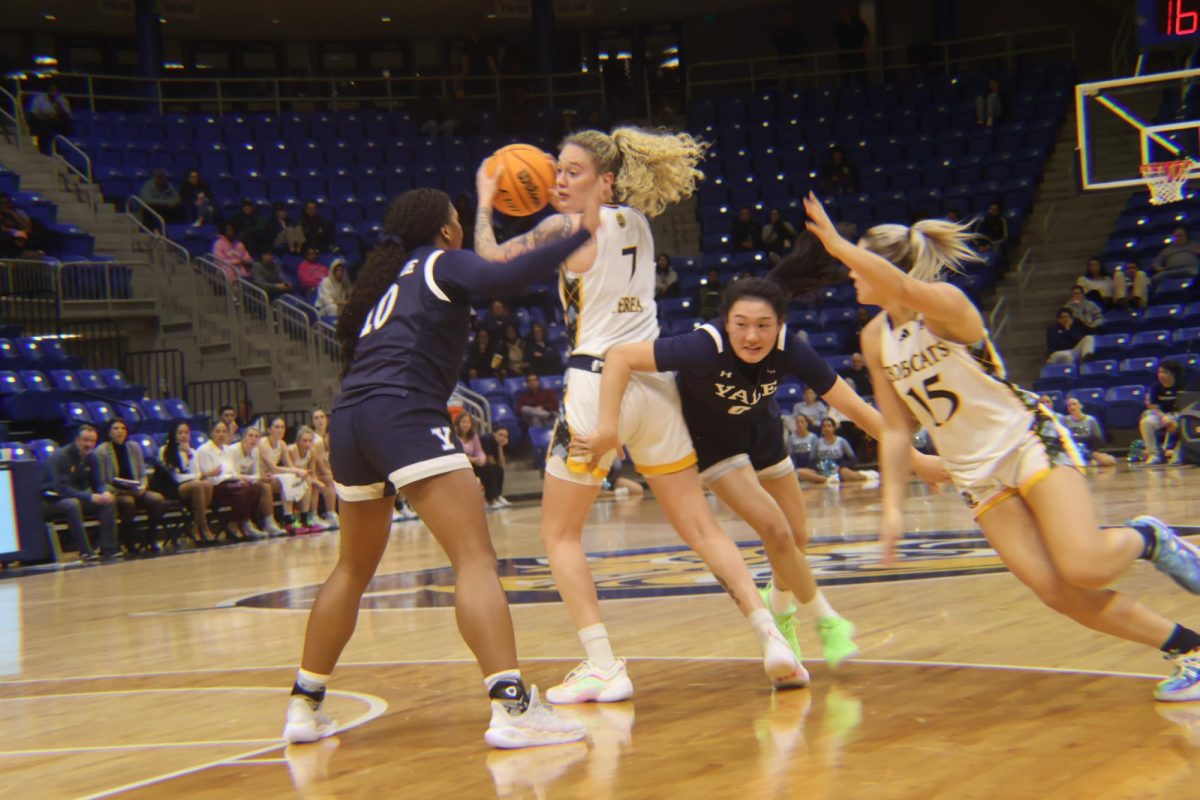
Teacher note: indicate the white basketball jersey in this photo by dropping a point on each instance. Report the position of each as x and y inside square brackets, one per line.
[613, 302]
[960, 394]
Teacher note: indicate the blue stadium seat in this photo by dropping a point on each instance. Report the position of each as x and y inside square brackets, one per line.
[1140, 369]
[42, 448]
[16, 451]
[1109, 345]
[485, 386]
[148, 445]
[75, 413]
[1125, 406]
[1153, 342]
[1093, 401]
[1098, 373]
[1055, 376]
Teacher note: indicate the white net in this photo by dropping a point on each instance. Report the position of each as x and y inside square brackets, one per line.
[1166, 179]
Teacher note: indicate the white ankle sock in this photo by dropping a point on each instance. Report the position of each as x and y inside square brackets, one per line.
[596, 644]
[820, 607]
[762, 622]
[311, 681]
[780, 602]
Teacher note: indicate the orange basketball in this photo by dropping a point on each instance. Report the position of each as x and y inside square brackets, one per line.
[526, 182]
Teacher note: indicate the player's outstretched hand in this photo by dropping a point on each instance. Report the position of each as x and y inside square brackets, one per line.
[593, 448]
[819, 223]
[485, 184]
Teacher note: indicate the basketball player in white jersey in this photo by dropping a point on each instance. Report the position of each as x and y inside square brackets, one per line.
[607, 291]
[1017, 468]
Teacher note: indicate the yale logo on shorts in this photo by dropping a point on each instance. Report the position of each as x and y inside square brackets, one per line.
[444, 435]
[629, 305]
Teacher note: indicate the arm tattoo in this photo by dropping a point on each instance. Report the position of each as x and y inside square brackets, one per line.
[548, 230]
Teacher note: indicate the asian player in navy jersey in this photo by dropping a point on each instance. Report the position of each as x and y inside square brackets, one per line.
[728, 372]
[930, 357]
[403, 336]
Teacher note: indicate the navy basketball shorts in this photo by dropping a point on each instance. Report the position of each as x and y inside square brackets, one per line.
[760, 445]
[387, 442]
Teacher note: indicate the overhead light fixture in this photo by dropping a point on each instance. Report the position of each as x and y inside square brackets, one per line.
[385, 18]
[46, 15]
[274, 22]
[162, 20]
[172, 65]
[45, 61]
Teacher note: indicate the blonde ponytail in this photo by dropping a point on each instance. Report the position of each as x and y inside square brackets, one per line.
[653, 169]
[925, 250]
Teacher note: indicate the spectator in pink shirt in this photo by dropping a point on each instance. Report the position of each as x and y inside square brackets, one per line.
[231, 255]
[311, 272]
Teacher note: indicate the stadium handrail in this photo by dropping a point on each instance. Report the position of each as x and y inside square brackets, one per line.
[86, 190]
[105, 293]
[14, 117]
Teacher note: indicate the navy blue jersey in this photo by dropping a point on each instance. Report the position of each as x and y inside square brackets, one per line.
[415, 337]
[719, 391]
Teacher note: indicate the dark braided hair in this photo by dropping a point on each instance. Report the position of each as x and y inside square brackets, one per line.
[413, 220]
[807, 268]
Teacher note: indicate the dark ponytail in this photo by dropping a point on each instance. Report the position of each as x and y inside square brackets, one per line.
[807, 268]
[413, 220]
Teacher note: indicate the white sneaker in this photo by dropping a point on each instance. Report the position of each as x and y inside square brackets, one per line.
[272, 528]
[331, 521]
[305, 723]
[872, 475]
[780, 662]
[536, 725]
[588, 683]
[251, 531]
[502, 502]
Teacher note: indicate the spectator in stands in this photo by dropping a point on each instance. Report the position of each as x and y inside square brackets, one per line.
[489, 471]
[197, 197]
[478, 60]
[162, 197]
[1131, 286]
[334, 290]
[835, 460]
[17, 236]
[745, 233]
[242, 494]
[267, 274]
[778, 236]
[1085, 430]
[1096, 286]
[497, 321]
[1067, 341]
[537, 405]
[318, 233]
[283, 235]
[251, 226]
[73, 486]
[993, 228]
[311, 271]
[231, 254]
[543, 356]
[178, 478]
[1085, 311]
[666, 279]
[811, 407]
[1179, 259]
[856, 375]
[708, 299]
[1161, 400]
[49, 116]
[482, 358]
[852, 36]
[838, 176]
[123, 470]
[989, 106]
[803, 444]
[513, 350]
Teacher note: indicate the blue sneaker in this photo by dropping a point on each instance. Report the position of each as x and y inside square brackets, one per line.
[1173, 555]
[1184, 683]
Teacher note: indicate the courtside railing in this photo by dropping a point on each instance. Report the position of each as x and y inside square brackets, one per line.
[12, 117]
[63, 151]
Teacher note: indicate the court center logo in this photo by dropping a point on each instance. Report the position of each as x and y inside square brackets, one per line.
[670, 571]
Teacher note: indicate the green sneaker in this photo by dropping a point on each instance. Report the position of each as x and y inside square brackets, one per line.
[837, 639]
[785, 622]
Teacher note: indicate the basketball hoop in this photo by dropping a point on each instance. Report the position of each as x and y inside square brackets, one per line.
[1165, 179]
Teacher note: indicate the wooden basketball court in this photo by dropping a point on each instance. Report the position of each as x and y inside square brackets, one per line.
[168, 677]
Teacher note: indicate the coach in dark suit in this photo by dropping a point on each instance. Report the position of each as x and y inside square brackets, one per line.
[72, 486]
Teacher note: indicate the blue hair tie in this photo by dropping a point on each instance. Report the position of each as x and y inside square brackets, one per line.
[390, 238]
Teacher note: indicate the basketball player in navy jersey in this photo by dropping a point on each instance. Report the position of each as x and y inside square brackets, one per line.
[728, 371]
[1017, 468]
[403, 336]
